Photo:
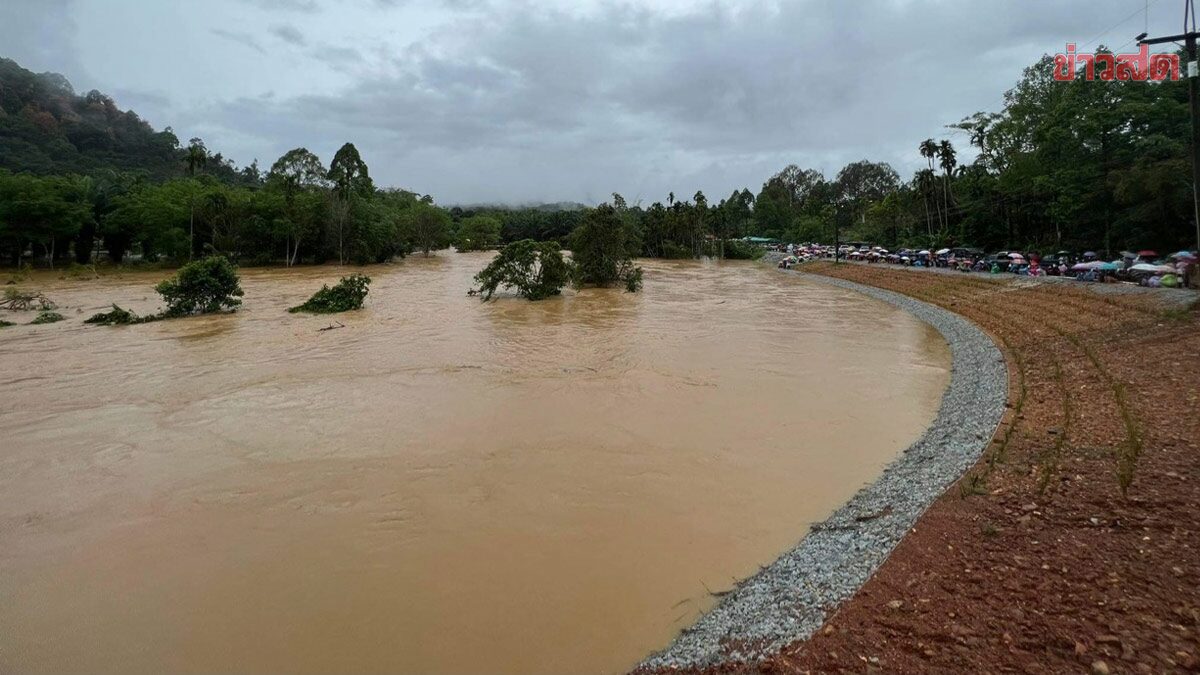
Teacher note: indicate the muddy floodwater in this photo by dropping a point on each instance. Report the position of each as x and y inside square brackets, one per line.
[441, 486]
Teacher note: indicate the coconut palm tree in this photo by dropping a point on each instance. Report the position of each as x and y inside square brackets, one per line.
[925, 183]
[929, 150]
[947, 159]
[197, 157]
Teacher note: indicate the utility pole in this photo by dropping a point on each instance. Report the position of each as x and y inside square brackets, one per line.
[1192, 73]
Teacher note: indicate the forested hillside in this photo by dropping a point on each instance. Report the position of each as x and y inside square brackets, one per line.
[45, 127]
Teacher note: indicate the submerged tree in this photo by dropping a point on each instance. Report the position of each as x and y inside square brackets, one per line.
[201, 287]
[536, 269]
[47, 317]
[347, 295]
[600, 253]
[117, 316]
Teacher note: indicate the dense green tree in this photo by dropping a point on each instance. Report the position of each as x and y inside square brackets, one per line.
[349, 174]
[478, 233]
[41, 211]
[598, 248]
[426, 227]
[298, 175]
[861, 184]
[351, 181]
[537, 270]
[156, 216]
[201, 287]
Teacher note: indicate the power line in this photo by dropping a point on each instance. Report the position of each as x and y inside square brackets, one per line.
[1148, 5]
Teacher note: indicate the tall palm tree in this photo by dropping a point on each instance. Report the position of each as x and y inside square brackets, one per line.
[197, 157]
[701, 211]
[947, 159]
[925, 185]
[929, 150]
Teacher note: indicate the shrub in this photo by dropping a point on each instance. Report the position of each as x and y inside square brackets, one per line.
[536, 269]
[116, 317]
[48, 317]
[201, 287]
[348, 294]
[632, 276]
[742, 250]
[6, 324]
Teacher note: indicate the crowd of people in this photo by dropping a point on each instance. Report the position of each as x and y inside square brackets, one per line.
[1146, 268]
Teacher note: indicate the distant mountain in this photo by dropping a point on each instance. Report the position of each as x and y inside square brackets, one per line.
[46, 128]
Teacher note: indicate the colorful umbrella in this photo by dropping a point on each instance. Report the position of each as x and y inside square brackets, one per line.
[1147, 267]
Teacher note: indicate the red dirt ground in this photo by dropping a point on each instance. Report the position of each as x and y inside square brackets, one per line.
[1036, 560]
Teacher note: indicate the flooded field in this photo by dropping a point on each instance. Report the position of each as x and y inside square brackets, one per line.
[439, 486]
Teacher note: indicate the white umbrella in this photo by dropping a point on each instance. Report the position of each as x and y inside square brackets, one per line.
[922, 252]
[1147, 267]
[943, 251]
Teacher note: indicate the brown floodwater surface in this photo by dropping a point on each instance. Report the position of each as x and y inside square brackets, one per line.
[441, 486]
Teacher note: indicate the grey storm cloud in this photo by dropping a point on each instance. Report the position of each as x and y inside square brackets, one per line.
[289, 33]
[39, 32]
[285, 5]
[516, 101]
[239, 37]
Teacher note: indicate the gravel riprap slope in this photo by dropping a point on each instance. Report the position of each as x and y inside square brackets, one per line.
[789, 600]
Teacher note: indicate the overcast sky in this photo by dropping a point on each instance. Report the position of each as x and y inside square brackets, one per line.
[496, 101]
